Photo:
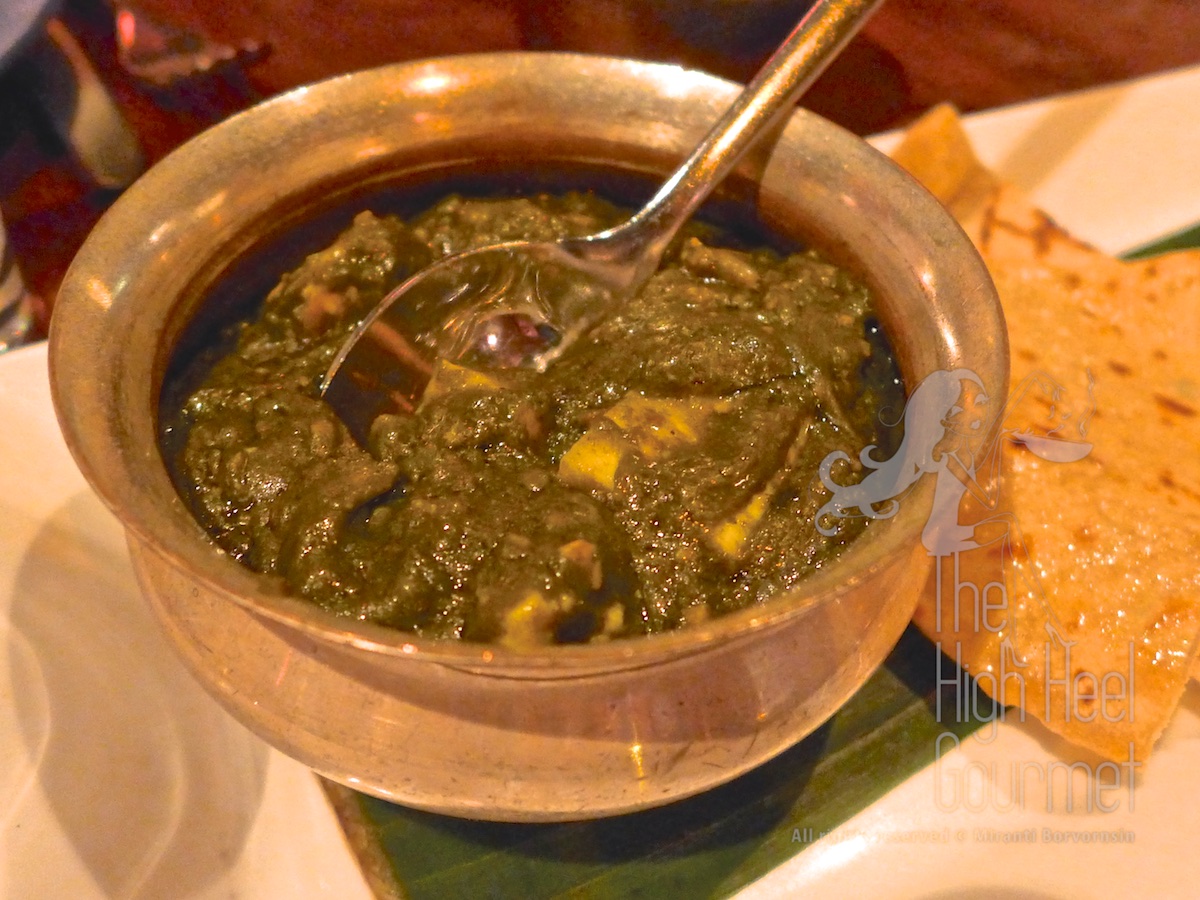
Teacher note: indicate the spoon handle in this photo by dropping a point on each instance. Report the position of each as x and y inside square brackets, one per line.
[825, 29]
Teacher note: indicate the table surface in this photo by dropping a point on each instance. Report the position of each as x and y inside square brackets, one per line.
[911, 55]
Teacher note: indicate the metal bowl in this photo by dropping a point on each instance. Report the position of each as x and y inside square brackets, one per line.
[464, 729]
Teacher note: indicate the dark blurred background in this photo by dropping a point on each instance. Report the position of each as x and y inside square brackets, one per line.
[189, 63]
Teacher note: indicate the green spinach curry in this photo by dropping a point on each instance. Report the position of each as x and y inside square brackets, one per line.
[662, 471]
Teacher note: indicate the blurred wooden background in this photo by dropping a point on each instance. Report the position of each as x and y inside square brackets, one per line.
[913, 54]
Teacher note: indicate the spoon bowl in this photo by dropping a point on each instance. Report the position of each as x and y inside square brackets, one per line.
[517, 303]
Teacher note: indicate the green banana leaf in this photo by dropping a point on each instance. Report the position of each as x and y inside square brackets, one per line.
[1185, 239]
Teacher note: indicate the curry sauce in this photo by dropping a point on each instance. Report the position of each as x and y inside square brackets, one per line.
[661, 471]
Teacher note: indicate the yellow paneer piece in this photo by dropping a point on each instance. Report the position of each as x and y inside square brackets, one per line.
[651, 426]
[592, 461]
[530, 623]
[731, 535]
[448, 377]
[658, 425]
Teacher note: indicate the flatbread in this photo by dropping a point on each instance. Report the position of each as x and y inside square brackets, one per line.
[1112, 537]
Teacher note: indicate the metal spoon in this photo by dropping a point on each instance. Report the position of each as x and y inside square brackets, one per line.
[522, 303]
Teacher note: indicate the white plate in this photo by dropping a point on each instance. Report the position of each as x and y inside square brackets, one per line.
[1116, 167]
[120, 778]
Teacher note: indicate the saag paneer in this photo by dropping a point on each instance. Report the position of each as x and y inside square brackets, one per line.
[662, 471]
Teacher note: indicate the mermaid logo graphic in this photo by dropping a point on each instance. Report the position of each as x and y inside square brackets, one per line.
[949, 433]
